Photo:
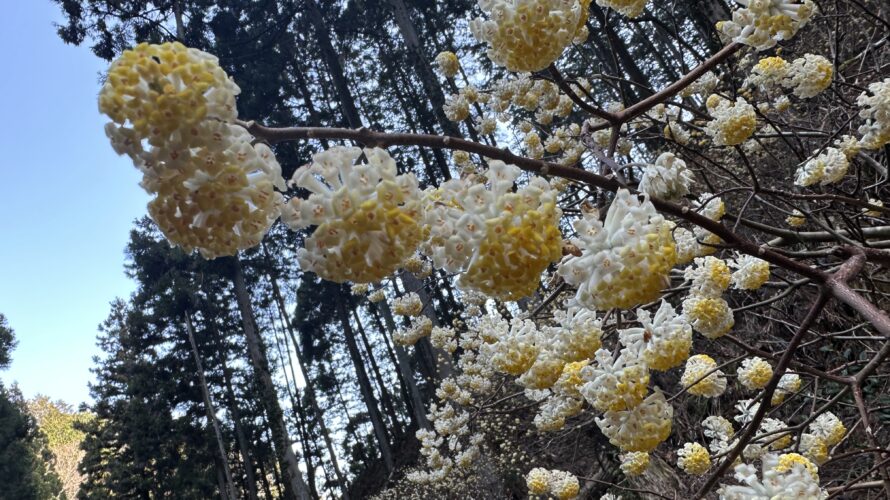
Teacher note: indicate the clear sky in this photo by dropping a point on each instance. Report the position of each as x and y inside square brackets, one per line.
[67, 203]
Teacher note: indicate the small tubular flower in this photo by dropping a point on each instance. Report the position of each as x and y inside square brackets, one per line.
[408, 305]
[709, 316]
[367, 217]
[733, 122]
[579, 335]
[528, 35]
[564, 485]
[694, 459]
[512, 349]
[667, 178]
[826, 168]
[754, 373]
[629, 8]
[614, 384]
[538, 481]
[762, 23]
[695, 381]
[875, 110]
[750, 272]
[625, 261]
[501, 241]
[642, 428]
[662, 342]
[634, 463]
[156, 90]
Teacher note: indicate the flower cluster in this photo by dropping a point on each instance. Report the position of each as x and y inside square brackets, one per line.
[420, 327]
[806, 76]
[499, 239]
[448, 63]
[625, 260]
[784, 476]
[826, 168]
[704, 307]
[367, 217]
[693, 459]
[629, 8]
[634, 463]
[667, 178]
[615, 384]
[750, 272]
[875, 110]
[528, 35]
[641, 428]
[662, 341]
[733, 122]
[562, 485]
[754, 373]
[762, 23]
[702, 378]
[172, 111]
[408, 305]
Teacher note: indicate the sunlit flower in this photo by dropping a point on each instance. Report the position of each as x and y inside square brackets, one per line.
[367, 217]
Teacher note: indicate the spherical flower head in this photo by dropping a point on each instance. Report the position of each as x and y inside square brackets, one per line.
[796, 219]
[663, 341]
[769, 72]
[874, 108]
[750, 272]
[367, 217]
[579, 335]
[456, 108]
[710, 277]
[528, 35]
[615, 384]
[762, 23]
[564, 485]
[408, 305]
[777, 440]
[359, 289]
[694, 459]
[554, 411]
[701, 377]
[828, 427]
[629, 8]
[814, 448]
[754, 373]
[420, 327]
[214, 190]
[543, 373]
[641, 428]
[634, 463]
[667, 178]
[787, 461]
[625, 261]
[788, 384]
[826, 168]
[709, 316]
[733, 122]
[155, 90]
[376, 296]
[788, 479]
[500, 240]
[717, 428]
[687, 245]
[448, 63]
[512, 350]
[538, 481]
[570, 380]
[809, 75]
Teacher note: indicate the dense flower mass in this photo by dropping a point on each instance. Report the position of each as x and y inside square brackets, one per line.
[615, 384]
[641, 428]
[448, 63]
[709, 316]
[754, 373]
[528, 35]
[634, 463]
[782, 477]
[733, 122]
[702, 378]
[875, 110]
[156, 90]
[667, 178]
[694, 459]
[663, 341]
[499, 239]
[625, 260]
[827, 168]
[750, 272]
[809, 75]
[562, 485]
[762, 23]
[367, 217]
[629, 8]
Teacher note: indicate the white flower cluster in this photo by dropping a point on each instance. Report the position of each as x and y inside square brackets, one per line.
[408, 305]
[214, 190]
[704, 307]
[625, 260]
[500, 240]
[784, 476]
[702, 378]
[420, 327]
[875, 110]
[367, 216]
[754, 373]
[662, 341]
[562, 485]
[762, 23]
[693, 459]
[827, 168]
[615, 383]
[750, 272]
[806, 76]
[733, 122]
[629, 8]
[667, 178]
[641, 428]
[528, 35]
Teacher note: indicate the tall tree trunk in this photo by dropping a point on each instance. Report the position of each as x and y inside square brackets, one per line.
[365, 387]
[441, 360]
[294, 485]
[385, 398]
[230, 491]
[250, 474]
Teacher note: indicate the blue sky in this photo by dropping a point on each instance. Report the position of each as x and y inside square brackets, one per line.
[66, 204]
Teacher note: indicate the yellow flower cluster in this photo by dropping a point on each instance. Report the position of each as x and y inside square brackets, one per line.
[709, 316]
[788, 460]
[829, 427]
[754, 373]
[694, 459]
[662, 342]
[788, 384]
[733, 122]
[710, 276]
[528, 35]
[448, 63]
[562, 485]
[629, 8]
[639, 429]
[499, 239]
[695, 381]
[625, 261]
[761, 23]
[751, 273]
[214, 190]
[367, 217]
[826, 168]
[615, 384]
[634, 463]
